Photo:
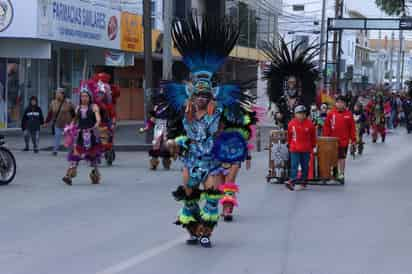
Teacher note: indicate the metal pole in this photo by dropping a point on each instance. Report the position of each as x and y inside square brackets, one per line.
[398, 69]
[338, 70]
[403, 68]
[167, 40]
[391, 59]
[334, 49]
[325, 69]
[148, 65]
[322, 38]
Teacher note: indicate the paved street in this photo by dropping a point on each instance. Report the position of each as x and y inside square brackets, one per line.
[125, 224]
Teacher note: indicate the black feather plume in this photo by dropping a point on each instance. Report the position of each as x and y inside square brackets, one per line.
[291, 60]
[204, 45]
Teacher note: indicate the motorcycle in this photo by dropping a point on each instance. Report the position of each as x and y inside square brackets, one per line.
[8, 166]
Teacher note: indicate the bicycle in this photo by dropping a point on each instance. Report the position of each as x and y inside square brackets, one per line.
[8, 167]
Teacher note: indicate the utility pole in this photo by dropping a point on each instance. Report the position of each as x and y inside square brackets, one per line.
[391, 59]
[337, 35]
[403, 68]
[167, 40]
[338, 69]
[398, 69]
[322, 39]
[400, 56]
[148, 61]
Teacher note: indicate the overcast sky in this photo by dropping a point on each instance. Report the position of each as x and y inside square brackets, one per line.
[313, 9]
[366, 7]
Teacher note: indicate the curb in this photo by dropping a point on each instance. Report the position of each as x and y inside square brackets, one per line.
[118, 148]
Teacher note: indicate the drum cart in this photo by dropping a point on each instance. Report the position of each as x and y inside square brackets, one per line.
[323, 167]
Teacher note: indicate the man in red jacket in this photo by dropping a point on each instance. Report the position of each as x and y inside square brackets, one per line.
[302, 141]
[340, 124]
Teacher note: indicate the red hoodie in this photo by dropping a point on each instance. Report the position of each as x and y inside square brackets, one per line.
[340, 124]
[301, 135]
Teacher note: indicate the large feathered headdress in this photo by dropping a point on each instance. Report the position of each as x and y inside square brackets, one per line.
[204, 45]
[291, 60]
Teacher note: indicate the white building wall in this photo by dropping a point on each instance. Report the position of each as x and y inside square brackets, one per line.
[349, 47]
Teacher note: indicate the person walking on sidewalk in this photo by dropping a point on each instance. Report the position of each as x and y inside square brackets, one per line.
[341, 124]
[30, 124]
[302, 141]
[61, 113]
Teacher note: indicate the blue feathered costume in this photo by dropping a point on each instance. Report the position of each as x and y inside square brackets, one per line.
[206, 110]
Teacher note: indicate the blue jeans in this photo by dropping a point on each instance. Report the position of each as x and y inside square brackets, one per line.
[58, 133]
[302, 159]
[391, 120]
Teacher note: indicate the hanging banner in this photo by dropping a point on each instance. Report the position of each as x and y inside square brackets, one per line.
[118, 59]
[131, 32]
[115, 59]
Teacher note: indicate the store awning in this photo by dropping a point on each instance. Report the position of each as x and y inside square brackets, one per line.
[25, 48]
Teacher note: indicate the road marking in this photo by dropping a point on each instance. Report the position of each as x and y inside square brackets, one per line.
[142, 257]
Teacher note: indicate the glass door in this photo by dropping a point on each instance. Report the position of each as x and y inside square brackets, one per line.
[15, 91]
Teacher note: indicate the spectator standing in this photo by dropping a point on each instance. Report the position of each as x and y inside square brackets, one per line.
[31, 123]
[61, 113]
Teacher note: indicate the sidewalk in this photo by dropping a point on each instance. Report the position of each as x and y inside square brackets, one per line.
[126, 138]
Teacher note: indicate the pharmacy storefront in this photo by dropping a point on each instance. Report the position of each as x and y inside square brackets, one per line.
[45, 44]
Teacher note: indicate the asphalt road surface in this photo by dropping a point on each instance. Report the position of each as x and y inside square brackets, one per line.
[124, 225]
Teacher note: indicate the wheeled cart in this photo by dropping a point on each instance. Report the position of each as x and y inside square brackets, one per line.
[323, 164]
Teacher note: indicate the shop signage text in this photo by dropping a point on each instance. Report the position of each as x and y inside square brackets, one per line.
[77, 15]
[79, 22]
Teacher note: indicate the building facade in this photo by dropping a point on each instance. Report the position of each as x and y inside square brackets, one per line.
[45, 44]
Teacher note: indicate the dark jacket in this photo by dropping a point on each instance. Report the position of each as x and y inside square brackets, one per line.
[32, 118]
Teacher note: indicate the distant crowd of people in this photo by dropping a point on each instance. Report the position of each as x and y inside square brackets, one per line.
[349, 119]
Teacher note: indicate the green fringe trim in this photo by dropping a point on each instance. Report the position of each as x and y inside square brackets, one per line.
[182, 141]
[246, 120]
[184, 219]
[209, 217]
[216, 197]
[245, 134]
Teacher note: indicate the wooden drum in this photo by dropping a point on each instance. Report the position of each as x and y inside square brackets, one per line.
[327, 156]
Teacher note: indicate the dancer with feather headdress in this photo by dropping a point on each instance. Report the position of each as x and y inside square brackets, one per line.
[81, 135]
[208, 138]
[292, 76]
[158, 120]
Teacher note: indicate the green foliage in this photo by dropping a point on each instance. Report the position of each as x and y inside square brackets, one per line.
[391, 7]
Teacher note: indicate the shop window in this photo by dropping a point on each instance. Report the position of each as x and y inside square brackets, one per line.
[66, 68]
[46, 84]
[14, 92]
[3, 69]
[31, 75]
[53, 70]
[77, 72]
[21, 79]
